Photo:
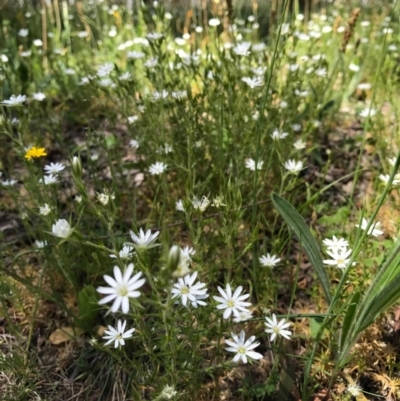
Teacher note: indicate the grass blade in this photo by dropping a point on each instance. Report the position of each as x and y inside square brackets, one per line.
[298, 225]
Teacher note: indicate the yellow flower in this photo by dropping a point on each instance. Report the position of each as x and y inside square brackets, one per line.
[35, 152]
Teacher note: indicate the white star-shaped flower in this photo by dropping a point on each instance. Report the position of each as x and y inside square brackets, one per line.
[144, 240]
[269, 260]
[340, 257]
[276, 328]
[157, 168]
[186, 290]
[232, 303]
[243, 349]
[251, 164]
[373, 230]
[122, 287]
[118, 335]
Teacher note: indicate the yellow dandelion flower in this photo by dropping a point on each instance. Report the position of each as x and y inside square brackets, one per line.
[35, 152]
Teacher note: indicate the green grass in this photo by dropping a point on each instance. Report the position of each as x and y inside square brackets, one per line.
[116, 104]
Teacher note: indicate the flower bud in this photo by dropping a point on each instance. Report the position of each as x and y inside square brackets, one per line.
[61, 229]
[174, 258]
[76, 166]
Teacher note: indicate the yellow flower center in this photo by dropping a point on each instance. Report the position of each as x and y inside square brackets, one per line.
[241, 350]
[123, 291]
[184, 290]
[231, 303]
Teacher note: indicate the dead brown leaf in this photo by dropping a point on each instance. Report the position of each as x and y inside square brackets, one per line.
[64, 334]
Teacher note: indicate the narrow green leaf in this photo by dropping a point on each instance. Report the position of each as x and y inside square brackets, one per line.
[87, 306]
[298, 225]
[388, 270]
[348, 322]
[381, 302]
[315, 326]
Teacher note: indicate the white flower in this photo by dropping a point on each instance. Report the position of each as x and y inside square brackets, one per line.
[373, 230]
[253, 82]
[82, 34]
[259, 71]
[124, 253]
[243, 316]
[40, 244]
[186, 253]
[214, 22]
[107, 83]
[151, 62]
[251, 164]
[3, 58]
[354, 389]
[269, 260]
[160, 95]
[84, 81]
[277, 135]
[340, 257]
[276, 328]
[126, 76]
[168, 393]
[218, 201]
[133, 143]
[301, 93]
[186, 290]
[232, 303]
[243, 349]
[321, 72]
[242, 48]
[179, 205]
[179, 95]
[157, 168]
[44, 210]
[103, 198]
[392, 161]
[200, 204]
[61, 229]
[354, 67]
[154, 36]
[132, 119]
[258, 47]
[135, 55]
[105, 69]
[144, 240]
[367, 112]
[14, 100]
[39, 96]
[23, 32]
[299, 144]
[122, 287]
[335, 243]
[364, 86]
[385, 179]
[49, 179]
[118, 335]
[9, 183]
[54, 168]
[293, 166]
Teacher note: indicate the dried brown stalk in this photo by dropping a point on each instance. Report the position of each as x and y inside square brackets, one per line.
[349, 32]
